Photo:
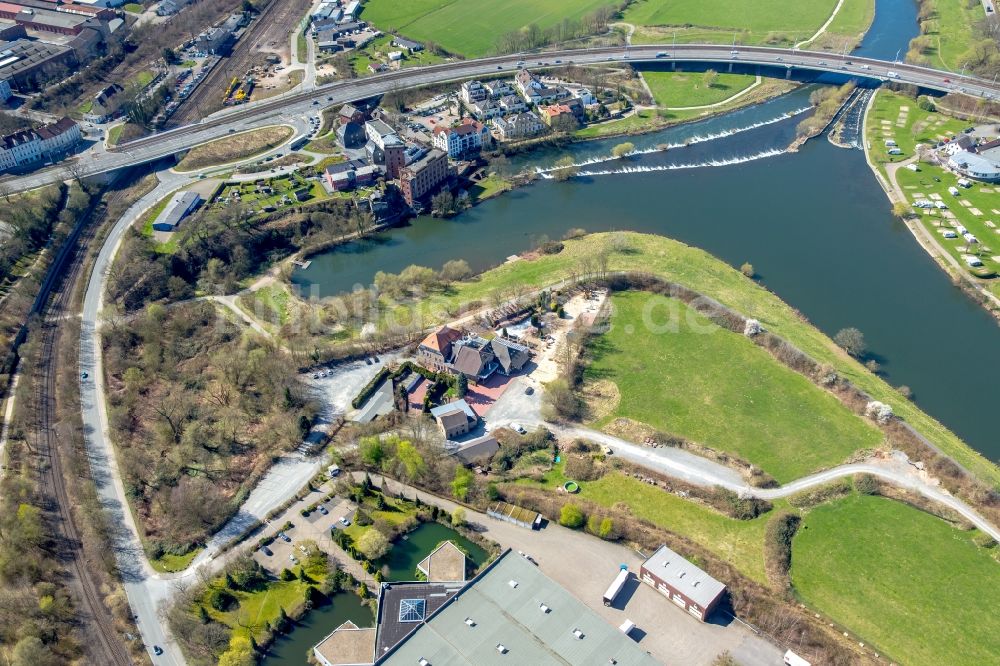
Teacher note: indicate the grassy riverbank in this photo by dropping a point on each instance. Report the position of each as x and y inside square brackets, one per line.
[684, 89]
[697, 270]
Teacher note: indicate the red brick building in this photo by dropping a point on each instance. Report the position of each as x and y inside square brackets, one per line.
[423, 176]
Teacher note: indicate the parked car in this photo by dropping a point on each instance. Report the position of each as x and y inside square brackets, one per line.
[291, 556]
[518, 428]
[267, 551]
[528, 390]
[344, 521]
[322, 510]
[284, 537]
[157, 650]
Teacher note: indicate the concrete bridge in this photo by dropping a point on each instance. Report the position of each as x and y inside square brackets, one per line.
[293, 106]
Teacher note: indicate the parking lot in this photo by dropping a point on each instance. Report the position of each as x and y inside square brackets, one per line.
[314, 527]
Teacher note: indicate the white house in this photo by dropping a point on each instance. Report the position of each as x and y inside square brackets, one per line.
[472, 92]
[486, 109]
[586, 96]
[28, 146]
[512, 104]
[498, 88]
[519, 126]
[463, 139]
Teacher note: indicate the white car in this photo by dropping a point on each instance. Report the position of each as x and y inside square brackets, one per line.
[518, 428]
[344, 521]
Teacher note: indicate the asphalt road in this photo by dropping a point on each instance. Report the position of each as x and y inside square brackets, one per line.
[296, 104]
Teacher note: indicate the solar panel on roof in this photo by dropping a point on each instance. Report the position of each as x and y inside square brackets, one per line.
[412, 610]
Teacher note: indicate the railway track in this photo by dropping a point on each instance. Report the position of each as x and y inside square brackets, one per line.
[104, 645]
[207, 97]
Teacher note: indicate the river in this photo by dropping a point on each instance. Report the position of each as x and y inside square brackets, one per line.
[815, 225]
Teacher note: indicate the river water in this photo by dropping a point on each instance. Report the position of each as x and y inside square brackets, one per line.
[815, 225]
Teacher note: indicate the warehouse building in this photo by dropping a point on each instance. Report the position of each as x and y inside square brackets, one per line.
[26, 64]
[682, 582]
[511, 611]
[179, 207]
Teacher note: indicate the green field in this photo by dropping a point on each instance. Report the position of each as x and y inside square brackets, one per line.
[753, 21]
[952, 31]
[471, 27]
[115, 133]
[717, 388]
[681, 89]
[133, 7]
[902, 579]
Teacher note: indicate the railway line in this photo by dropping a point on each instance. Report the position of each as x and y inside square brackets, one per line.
[207, 97]
[104, 644]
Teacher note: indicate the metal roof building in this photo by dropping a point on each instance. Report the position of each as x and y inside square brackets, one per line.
[682, 582]
[176, 210]
[513, 614]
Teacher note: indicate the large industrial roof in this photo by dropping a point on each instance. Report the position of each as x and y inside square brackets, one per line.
[513, 614]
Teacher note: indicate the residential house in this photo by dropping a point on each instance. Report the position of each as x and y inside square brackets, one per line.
[351, 114]
[456, 418]
[472, 92]
[559, 117]
[407, 44]
[524, 81]
[510, 356]
[106, 104]
[434, 352]
[25, 147]
[424, 176]
[466, 138]
[498, 88]
[519, 126]
[486, 109]
[586, 97]
[544, 94]
[474, 358]
[512, 104]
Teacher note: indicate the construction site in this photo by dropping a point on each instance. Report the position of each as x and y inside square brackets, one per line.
[253, 65]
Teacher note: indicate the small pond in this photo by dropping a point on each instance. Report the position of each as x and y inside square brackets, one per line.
[407, 552]
[293, 648]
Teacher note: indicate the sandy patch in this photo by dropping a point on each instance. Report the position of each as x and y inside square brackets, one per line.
[601, 398]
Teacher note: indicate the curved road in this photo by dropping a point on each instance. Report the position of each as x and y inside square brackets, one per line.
[295, 104]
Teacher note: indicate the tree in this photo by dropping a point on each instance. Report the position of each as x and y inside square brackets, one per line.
[710, 78]
[747, 269]
[170, 56]
[372, 451]
[458, 516]
[412, 465]
[221, 600]
[901, 210]
[30, 651]
[622, 149]
[851, 340]
[443, 204]
[456, 269]
[462, 385]
[240, 653]
[373, 544]
[462, 483]
[571, 516]
[286, 575]
[565, 168]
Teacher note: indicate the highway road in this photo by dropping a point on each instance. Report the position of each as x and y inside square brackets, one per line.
[295, 104]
